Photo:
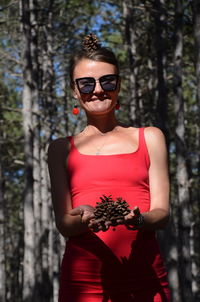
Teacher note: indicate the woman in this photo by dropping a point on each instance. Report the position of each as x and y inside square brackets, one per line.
[107, 158]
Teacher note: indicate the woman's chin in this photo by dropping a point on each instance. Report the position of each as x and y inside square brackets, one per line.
[99, 108]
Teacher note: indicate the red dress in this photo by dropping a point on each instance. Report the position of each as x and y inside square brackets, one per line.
[118, 265]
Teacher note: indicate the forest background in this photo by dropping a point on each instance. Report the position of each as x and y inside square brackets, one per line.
[158, 45]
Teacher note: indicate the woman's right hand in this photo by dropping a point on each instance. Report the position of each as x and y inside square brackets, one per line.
[87, 217]
[85, 211]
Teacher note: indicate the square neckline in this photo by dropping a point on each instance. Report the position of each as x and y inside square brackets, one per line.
[108, 155]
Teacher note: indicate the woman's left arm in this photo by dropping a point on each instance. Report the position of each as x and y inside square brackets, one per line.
[158, 214]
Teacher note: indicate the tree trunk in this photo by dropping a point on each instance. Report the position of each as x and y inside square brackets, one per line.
[196, 221]
[161, 61]
[29, 234]
[183, 198]
[2, 235]
[29, 225]
[36, 112]
[50, 266]
[130, 40]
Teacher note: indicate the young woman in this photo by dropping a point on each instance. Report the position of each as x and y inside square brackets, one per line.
[118, 264]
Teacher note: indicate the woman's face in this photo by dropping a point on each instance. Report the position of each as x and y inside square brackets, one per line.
[98, 101]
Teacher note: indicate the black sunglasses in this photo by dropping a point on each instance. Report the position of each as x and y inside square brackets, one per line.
[108, 82]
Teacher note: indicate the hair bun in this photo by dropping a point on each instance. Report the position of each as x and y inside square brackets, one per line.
[90, 43]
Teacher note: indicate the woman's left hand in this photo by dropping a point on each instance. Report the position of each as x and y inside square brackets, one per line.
[132, 219]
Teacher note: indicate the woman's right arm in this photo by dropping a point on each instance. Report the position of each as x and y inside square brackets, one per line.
[67, 224]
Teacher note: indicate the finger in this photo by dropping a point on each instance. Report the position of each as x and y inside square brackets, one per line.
[120, 221]
[136, 211]
[93, 223]
[76, 211]
[89, 214]
[129, 216]
[86, 217]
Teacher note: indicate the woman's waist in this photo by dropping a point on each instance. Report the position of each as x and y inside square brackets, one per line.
[119, 244]
[118, 187]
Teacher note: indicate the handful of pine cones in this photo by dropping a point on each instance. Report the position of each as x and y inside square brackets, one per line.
[109, 210]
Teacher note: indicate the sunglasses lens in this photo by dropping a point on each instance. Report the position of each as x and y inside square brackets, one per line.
[86, 85]
[109, 82]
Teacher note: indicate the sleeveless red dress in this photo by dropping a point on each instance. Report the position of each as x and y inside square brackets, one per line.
[118, 265]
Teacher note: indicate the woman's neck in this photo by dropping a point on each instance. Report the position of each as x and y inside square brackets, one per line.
[101, 123]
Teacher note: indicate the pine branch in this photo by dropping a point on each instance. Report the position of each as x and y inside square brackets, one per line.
[9, 108]
[3, 8]
[9, 57]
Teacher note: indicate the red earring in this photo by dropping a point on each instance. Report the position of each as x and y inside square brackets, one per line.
[75, 110]
[117, 106]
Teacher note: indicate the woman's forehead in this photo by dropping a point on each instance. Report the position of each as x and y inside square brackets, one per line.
[90, 68]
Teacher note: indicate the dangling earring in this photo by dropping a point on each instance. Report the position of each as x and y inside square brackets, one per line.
[117, 106]
[75, 110]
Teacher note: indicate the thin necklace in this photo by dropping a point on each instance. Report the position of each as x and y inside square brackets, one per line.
[98, 149]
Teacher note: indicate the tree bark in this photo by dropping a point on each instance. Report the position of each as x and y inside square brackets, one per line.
[183, 196]
[161, 61]
[29, 225]
[2, 232]
[50, 254]
[195, 245]
[130, 40]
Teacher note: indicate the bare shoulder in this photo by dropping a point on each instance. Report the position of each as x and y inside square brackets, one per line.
[58, 148]
[153, 135]
[155, 140]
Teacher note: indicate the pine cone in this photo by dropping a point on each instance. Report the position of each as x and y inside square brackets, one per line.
[110, 210]
[90, 43]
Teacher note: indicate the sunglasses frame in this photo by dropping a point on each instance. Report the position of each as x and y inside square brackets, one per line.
[76, 81]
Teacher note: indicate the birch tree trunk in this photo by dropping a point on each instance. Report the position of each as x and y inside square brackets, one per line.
[195, 250]
[27, 99]
[130, 40]
[2, 236]
[183, 197]
[39, 82]
[161, 60]
[2, 214]
[48, 128]
[37, 204]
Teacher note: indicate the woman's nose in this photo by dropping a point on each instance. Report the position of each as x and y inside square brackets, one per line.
[98, 88]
